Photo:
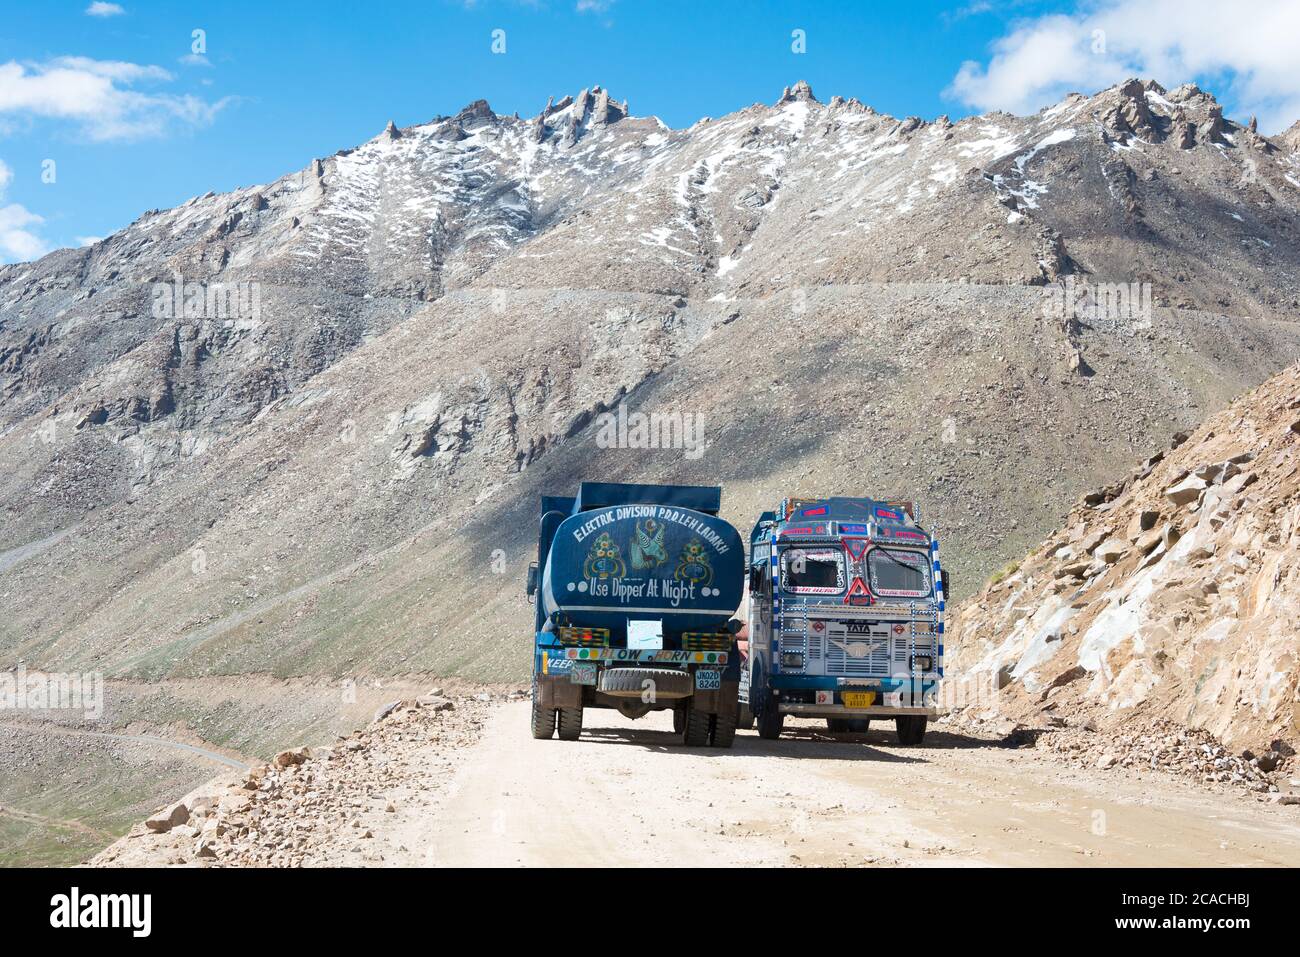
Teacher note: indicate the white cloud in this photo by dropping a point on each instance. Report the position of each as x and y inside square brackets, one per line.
[89, 240]
[17, 243]
[99, 96]
[1174, 41]
[116, 70]
[593, 6]
[101, 9]
[194, 59]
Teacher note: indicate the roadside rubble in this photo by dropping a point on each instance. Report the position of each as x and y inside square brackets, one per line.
[307, 805]
[1152, 744]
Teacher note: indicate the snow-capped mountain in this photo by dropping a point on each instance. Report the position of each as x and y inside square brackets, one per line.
[313, 473]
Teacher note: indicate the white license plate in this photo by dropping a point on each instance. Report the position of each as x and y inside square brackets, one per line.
[708, 679]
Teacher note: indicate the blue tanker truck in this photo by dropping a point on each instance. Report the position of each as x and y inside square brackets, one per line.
[635, 589]
[846, 602]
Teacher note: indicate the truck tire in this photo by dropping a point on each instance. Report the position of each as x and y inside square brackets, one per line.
[543, 723]
[770, 723]
[570, 724]
[859, 725]
[837, 725]
[723, 733]
[666, 683]
[745, 719]
[911, 729]
[695, 728]
[679, 720]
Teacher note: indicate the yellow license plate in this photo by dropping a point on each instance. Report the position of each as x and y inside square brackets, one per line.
[859, 699]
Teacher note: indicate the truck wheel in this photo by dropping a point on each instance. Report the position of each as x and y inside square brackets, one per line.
[911, 728]
[723, 734]
[745, 719]
[770, 723]
[837, 725]
[695, 728]
[859, 725]
[543, 722]
[679, 720]
[570, 724]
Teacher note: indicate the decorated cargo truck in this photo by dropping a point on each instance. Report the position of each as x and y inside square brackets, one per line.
[635, 589]
[846, 603]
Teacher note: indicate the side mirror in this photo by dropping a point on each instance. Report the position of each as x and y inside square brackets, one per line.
[755, 579]
[734, 625]
[532, 579]
[943, 573]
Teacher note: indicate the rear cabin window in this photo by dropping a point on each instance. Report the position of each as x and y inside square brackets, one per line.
[812, 571]
[899, 574]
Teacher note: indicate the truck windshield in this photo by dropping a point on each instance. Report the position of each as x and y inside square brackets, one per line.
[900, 574]
[813, 571]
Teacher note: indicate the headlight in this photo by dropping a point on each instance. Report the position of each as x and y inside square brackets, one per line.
[922, 663]
[792, 659]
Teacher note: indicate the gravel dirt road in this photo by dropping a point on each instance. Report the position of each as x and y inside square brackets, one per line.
[627, 795]
[467, 785]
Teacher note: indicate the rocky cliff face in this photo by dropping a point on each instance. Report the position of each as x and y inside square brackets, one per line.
[1172, 595]
[300, 428]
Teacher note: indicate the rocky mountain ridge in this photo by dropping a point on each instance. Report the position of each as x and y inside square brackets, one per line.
[447, 307]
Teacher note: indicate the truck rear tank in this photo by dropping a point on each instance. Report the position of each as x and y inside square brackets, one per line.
[636, 589]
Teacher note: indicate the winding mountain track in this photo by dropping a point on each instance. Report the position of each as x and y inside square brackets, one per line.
[68, 824]
[151, 740]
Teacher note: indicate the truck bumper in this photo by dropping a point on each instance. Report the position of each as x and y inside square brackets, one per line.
[558, 690]
[841, 711]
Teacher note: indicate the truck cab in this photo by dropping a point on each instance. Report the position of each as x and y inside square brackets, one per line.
[846, 604]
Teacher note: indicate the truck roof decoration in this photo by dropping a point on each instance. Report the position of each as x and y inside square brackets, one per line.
[844, 509]
[837, 517]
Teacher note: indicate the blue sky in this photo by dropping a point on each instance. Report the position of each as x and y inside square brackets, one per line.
[134, 118]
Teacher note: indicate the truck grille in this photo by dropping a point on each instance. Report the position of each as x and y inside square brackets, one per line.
[875, 662]
[870, 656]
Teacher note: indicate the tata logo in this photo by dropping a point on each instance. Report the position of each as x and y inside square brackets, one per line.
[819, 626]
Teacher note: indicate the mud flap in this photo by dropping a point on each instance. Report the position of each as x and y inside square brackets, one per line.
[559, 692]
[721, 701]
